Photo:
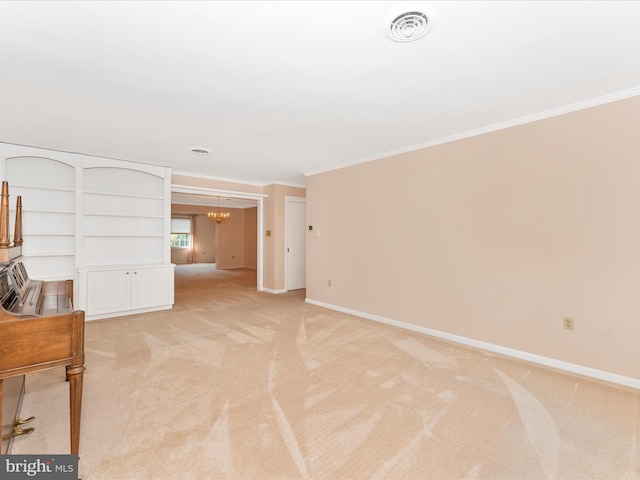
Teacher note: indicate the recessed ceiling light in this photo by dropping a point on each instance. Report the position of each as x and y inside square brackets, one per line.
[409, 22]
[200, 151]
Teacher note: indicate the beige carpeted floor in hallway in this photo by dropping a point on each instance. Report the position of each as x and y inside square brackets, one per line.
[237, 384]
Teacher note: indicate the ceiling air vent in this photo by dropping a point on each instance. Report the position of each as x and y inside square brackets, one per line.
[408, 26]
[200, 151]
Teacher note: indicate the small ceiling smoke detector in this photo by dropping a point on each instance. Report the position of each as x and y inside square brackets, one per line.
[200, 151]
[409, 23]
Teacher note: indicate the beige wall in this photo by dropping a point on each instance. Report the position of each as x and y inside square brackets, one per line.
[201, 182]
[495, 238]
[206, 244]
[268, 236]
[274, 268]
[251, 237]
[231, 240]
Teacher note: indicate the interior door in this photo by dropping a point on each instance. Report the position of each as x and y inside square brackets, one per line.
[295, 239]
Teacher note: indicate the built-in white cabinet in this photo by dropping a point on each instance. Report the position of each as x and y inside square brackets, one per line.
[132, 289]
[105, 223]
[125, 251]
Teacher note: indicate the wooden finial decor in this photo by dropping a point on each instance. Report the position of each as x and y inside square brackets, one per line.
[17, 232]
[7, 251]
[4, 215]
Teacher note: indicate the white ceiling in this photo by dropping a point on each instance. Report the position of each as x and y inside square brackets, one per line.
[278, 89]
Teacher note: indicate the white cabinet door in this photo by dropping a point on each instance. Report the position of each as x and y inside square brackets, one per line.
[108, 291]
[151, 287]
[133, 289]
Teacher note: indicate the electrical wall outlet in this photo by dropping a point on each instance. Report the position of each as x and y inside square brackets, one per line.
[568, 323]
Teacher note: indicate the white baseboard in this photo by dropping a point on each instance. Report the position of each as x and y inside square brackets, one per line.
[269, 290]
[124, 313]
[510, 352]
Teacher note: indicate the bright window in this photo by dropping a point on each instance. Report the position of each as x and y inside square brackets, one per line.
[180, 232]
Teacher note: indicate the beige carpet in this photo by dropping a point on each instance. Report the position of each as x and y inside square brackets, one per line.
[238, 384]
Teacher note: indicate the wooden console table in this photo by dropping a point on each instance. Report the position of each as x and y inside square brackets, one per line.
[29, 345]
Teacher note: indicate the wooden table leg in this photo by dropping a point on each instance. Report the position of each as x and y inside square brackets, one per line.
[2, 452]
[75, 376]
[1, 396]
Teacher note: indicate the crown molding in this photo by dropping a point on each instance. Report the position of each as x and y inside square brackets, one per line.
[573, 107]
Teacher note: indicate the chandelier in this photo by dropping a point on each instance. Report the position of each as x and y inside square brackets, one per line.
[218, 216]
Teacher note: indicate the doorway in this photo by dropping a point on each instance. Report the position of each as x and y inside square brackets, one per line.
[209, 198]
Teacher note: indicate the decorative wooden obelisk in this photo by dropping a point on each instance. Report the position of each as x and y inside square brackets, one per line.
[17, 232]
[4, 215]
